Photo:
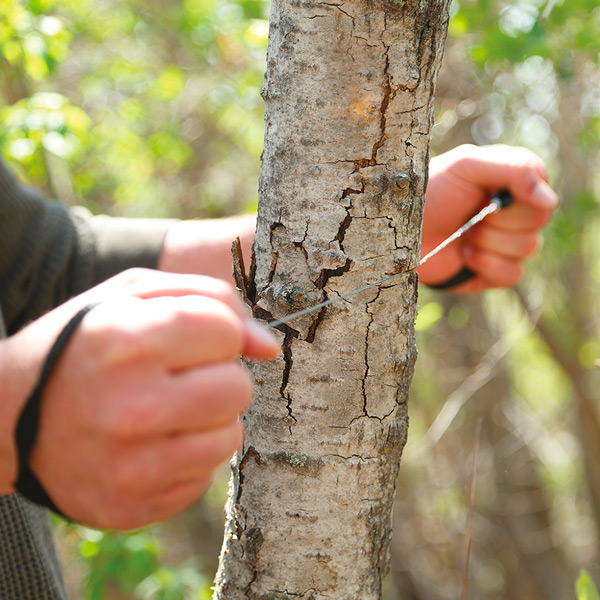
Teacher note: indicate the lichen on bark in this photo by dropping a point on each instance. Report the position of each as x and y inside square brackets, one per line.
[348, 93]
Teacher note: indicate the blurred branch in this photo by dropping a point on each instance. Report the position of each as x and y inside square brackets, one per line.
[465, 590]
[485, 370]
[588, 416]
[547, 10]
[483, 373]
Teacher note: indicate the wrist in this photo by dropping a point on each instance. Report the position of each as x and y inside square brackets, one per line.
[204, 246]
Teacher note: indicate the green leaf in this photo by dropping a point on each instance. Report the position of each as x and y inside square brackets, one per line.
[585, 588]
[428, 316]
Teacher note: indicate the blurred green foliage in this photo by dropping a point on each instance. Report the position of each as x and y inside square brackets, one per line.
[523, 72]
[140, 109]
[129, 566]
[585, 588]
[135, 107]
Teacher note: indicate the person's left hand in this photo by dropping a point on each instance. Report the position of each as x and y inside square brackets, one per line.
[461, 182]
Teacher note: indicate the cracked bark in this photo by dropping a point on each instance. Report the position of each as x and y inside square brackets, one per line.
[309, 514]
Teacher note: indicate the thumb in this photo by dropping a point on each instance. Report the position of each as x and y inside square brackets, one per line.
[259, 341]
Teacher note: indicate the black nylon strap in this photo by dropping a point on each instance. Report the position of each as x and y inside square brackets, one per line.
[463, 275]
[26, 431]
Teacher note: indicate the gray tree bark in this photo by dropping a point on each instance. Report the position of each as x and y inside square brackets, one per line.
[348, 91]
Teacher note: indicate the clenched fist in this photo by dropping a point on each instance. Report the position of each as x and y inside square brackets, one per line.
[143, 403]
[461, 182]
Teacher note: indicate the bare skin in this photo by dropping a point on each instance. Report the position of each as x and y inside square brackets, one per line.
[460, 183]
[144, 402]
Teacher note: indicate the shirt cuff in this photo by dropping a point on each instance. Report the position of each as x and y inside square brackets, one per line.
[121, 244]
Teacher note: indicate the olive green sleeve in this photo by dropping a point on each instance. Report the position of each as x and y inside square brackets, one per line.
[49, 253]
[120, 244]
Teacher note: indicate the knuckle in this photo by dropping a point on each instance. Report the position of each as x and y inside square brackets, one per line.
[125, 343]
[130, 419]
[465, 151]
[465, 160]
[115, 344]
[125, 477]
[132, 277]
[182, 314]
[238, 387]
[531, 245]
[244, 387]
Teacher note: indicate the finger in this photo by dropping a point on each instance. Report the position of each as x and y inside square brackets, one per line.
[211, 397]
[196, 330]
[124, 515]
[196, 400]
[472, 286]
[518, 169]
[259, 342]
[494, 269]
[442, 266]
[520, 217]
[177, 499]
[175, 332]
[148, 283]
[515, 245]
[146, 467]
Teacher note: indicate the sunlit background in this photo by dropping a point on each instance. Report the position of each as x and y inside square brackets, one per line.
[153, 108]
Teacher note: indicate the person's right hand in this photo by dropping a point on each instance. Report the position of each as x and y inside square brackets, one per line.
[144, 402]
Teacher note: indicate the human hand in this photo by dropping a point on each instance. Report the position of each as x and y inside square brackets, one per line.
[143, 404]
[461, 182]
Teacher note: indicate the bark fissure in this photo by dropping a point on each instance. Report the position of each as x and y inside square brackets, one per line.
[312, 330]
[250, 453]
[287, 369]
[388, 94]
[311, 520]
[254, 540]
[366, 373]
[274, 255]
[354, 456]
[326, 274]
[339, 7]
[300, 244]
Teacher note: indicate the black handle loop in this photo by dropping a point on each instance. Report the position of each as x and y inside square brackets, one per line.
[26, 431]
[463, 275]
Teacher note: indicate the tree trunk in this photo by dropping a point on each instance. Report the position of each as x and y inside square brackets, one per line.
[348, 91]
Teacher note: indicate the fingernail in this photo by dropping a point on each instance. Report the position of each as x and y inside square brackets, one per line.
[544, 196]
[262, 333]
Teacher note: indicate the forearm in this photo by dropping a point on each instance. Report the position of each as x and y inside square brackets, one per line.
[204, 246]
